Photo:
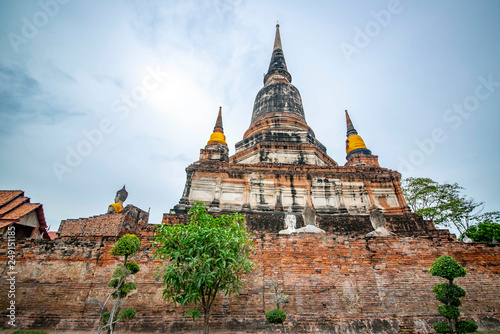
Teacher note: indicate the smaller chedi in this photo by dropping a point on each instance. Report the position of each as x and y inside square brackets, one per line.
[354, 144]
[117, 206]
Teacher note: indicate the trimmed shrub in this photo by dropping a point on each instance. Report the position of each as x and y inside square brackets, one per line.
[449, 294]
[466, 326]
[276, 316]
[447, 267]
[133, 267]
[113, 283]
[441, 327]
[127, 245]
[105, 317]
[448, 311]
[126, 314]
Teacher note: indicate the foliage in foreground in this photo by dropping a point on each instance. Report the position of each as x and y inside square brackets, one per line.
[445, 204]
[126, 246]
[203, 257]
[449, 294]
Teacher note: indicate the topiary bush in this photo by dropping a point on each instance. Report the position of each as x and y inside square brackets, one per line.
[127, 314]
[441, 327]
[448, 311]
[126, 246]
[276, 316]
[133, 267]
[447, 267]
[449, 294]
[466, 326]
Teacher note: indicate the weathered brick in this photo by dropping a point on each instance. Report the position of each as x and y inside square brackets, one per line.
[336, 283]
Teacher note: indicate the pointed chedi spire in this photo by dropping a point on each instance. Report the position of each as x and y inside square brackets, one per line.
[277, 66]
[278, 120]
[218, 123]
[350, 128]
[277, 39]
[354, 143]
[218, 133]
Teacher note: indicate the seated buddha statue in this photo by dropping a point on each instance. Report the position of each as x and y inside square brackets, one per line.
[121, 196]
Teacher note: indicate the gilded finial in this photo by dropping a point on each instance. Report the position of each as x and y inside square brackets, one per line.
[218, 133]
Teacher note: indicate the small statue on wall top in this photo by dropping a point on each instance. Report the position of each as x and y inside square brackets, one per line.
[290, 222]
[309, 216]
[121, 196]
[379, 224]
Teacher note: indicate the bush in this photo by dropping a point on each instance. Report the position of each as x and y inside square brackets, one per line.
[113, 283]
[125, 289]
[447, 294]
[133, 267]
[447, 267]
[126, 314]
[441, 327]
[466, 326]
[448, 311]
[276, 316]
[120, 272]
[127, 245]
[128, 287]
[105, 317]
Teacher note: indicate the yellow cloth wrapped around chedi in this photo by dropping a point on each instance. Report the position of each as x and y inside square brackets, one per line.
[353, 143]
[217, 137]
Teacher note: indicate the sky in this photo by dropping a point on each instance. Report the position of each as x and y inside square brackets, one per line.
[98, 94]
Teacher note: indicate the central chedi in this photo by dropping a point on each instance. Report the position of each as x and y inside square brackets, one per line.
[280, 164]
[279, 132]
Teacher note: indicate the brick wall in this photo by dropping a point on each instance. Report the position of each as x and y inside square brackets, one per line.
[130, 220]
[336, 283]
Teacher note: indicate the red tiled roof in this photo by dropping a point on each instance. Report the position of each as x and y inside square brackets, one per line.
[52, 235]
[21, 211]
[3, 224]
[8, 195]
[12, 204]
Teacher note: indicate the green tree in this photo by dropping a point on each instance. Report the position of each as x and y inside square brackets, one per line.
[449, 294]
[126, 246]
[444, 204]
[203, 257]
[484, 232]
